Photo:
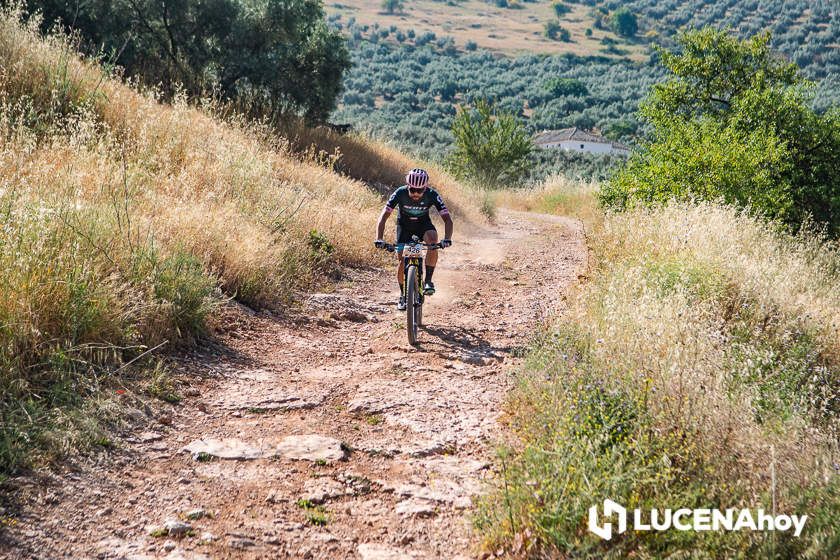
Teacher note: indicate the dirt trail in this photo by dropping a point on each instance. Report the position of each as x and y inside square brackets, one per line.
[405, 435]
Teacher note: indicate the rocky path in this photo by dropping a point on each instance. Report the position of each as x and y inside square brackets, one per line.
[326, 436]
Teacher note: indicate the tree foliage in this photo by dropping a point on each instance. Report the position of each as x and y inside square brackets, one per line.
[623, 22]
[732, 122]
[491, 146]
[566, 86]
[553, 30]
[275, 53]
[392, 6]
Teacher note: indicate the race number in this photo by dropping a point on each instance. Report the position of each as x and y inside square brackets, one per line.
[412, 250]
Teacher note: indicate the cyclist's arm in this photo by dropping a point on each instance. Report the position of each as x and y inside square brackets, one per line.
[392, 203]
[447, 226]
[380, 226]
[443, 211]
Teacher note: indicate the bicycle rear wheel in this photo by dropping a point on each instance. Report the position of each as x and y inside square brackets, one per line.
[412, 297]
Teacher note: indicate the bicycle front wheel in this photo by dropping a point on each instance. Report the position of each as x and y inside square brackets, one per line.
[412, 298]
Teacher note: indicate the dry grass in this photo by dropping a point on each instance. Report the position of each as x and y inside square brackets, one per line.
[556, 195]
[698, 368]
[383, 167]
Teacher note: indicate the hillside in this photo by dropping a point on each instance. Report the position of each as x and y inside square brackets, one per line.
[501, 27]
[807, 32]
[128, 223]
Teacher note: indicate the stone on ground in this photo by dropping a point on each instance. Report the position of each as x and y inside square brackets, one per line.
[372, 551]
[311, 448]
[228, 448]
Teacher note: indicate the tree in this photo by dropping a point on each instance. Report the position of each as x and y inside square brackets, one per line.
[491, 147]
[392, 6]
[554, 30]
[560, 9]
[566, 86]
[279, 54]
[733, 122]
[623, 22]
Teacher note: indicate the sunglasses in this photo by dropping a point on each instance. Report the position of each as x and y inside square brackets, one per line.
[416, 190]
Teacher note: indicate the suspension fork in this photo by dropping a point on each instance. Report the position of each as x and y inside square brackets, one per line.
[419, 264]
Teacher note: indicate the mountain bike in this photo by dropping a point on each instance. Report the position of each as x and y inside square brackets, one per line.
[412, 254]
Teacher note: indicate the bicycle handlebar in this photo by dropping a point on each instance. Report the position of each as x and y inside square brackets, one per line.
[390, 247]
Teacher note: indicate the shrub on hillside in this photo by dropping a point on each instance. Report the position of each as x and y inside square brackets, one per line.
[566, 86]
[392, 6]
[560, 8]
[553, 30]
[733, 123]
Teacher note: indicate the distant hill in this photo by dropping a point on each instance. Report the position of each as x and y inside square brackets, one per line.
[412, 69]
[506, 26]
[806, 31]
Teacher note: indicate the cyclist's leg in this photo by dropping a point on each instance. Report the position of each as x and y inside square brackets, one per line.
[431, 236]
[400, 269]
[403, 236]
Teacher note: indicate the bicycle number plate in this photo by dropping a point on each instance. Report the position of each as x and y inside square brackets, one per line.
[412, 251]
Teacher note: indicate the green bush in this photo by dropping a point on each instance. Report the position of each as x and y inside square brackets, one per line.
[560, 9]
[566, 86]
[271, 56]
[392, 6]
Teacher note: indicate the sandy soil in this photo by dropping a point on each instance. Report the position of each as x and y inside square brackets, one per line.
[342, 440]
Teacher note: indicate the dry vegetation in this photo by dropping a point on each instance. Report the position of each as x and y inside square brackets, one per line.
[556, 195]
[126, 220]
[700, 367]
[382, 166]
[516, 30]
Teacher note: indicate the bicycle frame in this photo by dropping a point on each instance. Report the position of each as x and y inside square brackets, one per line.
[413, 257]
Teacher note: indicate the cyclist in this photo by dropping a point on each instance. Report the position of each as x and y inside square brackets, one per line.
[415, 199]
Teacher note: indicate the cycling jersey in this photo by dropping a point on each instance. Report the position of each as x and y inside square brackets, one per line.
[414, 211]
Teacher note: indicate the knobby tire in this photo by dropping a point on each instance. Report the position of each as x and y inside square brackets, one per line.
[411, 299]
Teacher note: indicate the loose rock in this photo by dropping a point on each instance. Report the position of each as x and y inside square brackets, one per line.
[176, 528]
[318, 491]
[416, 507]
[223, 449]
[371, 551]
[311, 448]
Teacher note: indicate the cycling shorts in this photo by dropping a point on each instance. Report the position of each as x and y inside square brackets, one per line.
[418, 228]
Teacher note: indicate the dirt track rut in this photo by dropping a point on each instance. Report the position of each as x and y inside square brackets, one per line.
[405, 435]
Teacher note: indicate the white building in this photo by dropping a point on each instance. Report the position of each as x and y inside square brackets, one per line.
[574, 139]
